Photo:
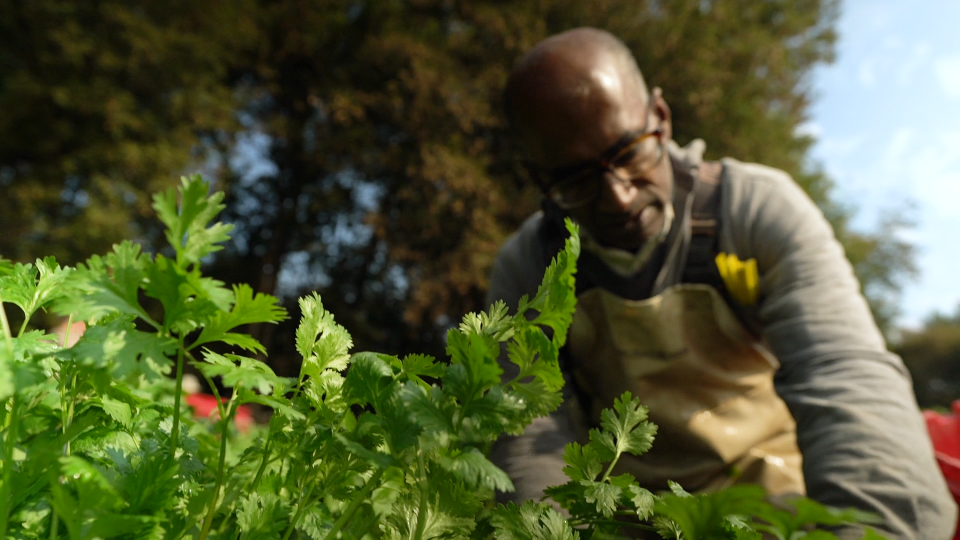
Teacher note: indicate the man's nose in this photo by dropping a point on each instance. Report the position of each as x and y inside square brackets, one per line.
[617, 195]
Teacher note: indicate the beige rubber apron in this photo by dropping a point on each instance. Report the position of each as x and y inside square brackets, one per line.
[707, 382]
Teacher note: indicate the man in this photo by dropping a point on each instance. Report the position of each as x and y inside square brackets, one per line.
[717, 293]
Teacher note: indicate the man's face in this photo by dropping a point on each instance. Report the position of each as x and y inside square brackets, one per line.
[625, 209]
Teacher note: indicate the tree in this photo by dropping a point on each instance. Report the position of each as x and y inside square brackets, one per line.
[364, 152]
[932, 354]
[102, 104]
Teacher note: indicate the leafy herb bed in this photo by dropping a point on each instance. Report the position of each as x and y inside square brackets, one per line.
[98, 443]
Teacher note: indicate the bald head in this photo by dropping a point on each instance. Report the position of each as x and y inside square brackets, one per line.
[580, 84]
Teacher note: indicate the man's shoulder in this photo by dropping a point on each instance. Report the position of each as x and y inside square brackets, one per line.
[754, 178]
[764, 212]
[520, 263]
[752, 191]
[525, 243]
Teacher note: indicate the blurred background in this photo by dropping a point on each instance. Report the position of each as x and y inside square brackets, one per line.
[364, 154]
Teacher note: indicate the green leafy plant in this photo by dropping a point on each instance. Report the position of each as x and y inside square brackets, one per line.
[97, 441]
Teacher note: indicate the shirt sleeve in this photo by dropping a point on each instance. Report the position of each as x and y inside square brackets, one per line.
[863, 439]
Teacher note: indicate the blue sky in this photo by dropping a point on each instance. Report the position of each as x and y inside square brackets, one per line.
[887, 121]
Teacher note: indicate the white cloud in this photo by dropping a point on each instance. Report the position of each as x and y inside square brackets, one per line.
[947, 69]
[809, 129]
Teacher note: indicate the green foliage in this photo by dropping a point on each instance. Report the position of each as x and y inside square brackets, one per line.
[102, 105]
[932, 354]
[96, 444]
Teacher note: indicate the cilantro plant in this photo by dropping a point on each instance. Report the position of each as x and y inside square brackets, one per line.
[97, 441]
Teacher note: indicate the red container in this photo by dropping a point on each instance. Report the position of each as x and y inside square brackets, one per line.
[205, 406]
[945, 433]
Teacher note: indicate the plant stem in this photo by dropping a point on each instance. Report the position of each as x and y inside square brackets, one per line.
[421, 519]
[263, 462]
[66, 333]
[54, 525]
[225, 421]
[613, 463]
[8, 464]
[612, 522]
[358, 500]
[296, 516]
[178, 390]
[7, 336]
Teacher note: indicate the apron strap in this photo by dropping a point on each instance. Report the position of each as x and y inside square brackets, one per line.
[701, 264]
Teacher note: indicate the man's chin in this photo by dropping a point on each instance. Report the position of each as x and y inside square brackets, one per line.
[630, 238]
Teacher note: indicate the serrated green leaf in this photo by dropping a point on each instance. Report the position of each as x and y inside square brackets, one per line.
[383, 497]
[377, 459]
[280, 405]
[105, 285]
[536, 356]
[538, 400]
[603, 495]
[187, 229]
[117, 410]
[167, 282]
[556, 299]
[642, 499]
[704, 515]
[532, 521]
[400, 427]
[18, 286]
[474, 368]
[431, 409]
[415, 366]
[34, 343]
[495, 323]
[262, 516]
[667, 528]
[247, 309]
[92, 487]
[583, 463]
[472, 467]
[326, 390]
[316, 521]
[32, 287]
[116, 343]
[625, 429]
[368, 376]
[677, 489]
[321, 342]
[238, 370]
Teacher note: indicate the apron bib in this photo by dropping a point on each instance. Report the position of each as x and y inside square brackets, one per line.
[707, 383]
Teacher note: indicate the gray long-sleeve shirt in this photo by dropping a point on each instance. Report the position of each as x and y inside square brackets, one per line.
[862, 437]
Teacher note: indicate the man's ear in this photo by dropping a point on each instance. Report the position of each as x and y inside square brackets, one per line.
[662, 110]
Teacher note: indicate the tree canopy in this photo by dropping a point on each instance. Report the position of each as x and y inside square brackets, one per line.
[932, 354]
[362, 143]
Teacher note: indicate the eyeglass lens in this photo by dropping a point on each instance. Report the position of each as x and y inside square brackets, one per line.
[631, 162]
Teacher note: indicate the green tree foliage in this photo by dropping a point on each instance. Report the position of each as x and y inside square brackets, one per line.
[932, 354]
[376, 127]
[101, 103]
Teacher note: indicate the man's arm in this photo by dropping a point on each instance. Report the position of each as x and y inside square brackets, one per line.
[863, 440]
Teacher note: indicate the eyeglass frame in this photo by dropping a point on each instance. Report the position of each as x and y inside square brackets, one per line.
[601, 165]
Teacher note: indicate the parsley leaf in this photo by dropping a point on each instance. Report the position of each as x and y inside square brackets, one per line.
[186, 223]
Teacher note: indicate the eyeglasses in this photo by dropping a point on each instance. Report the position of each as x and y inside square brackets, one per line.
[578, 185]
